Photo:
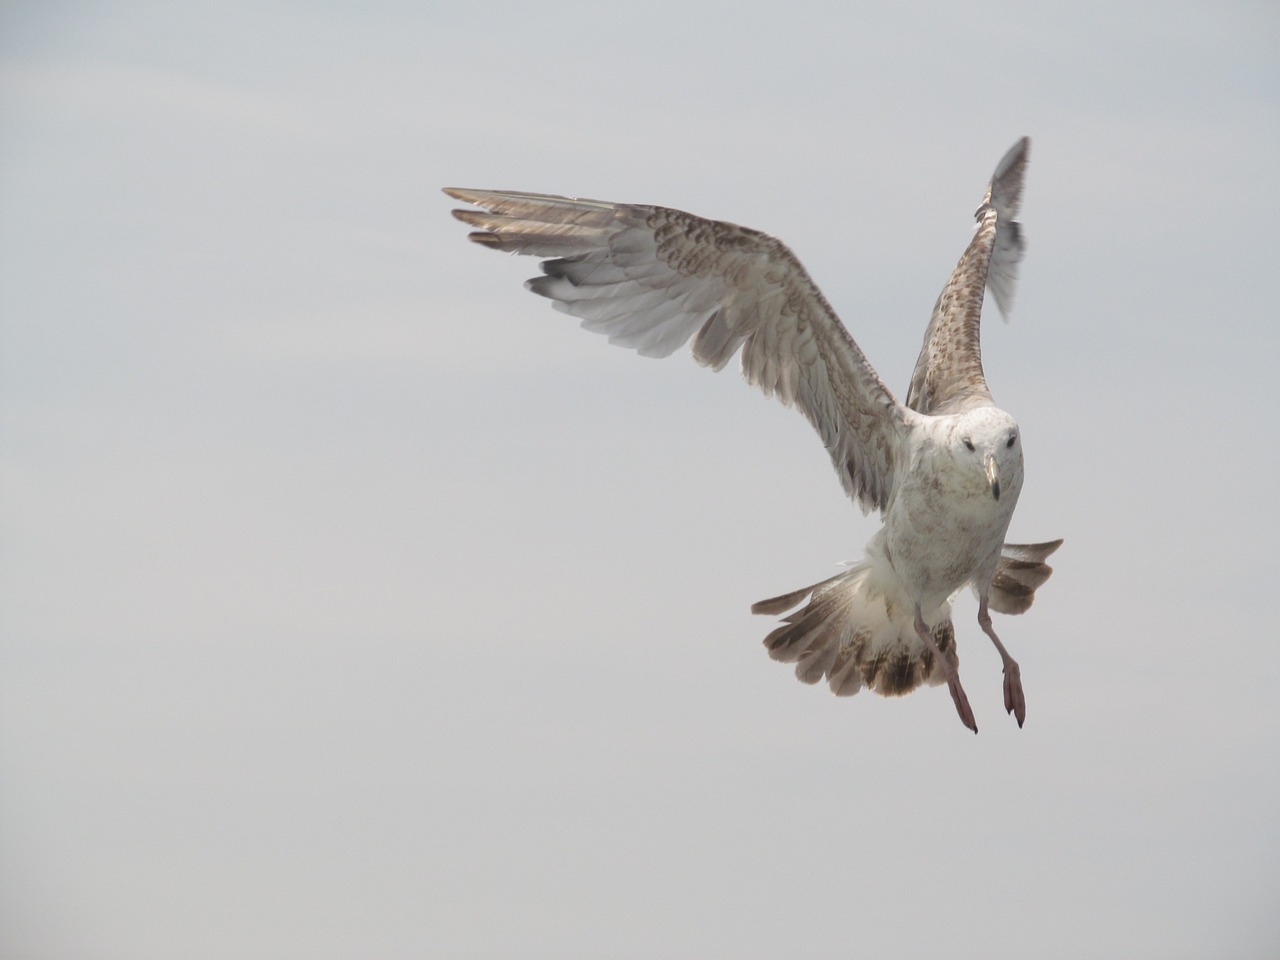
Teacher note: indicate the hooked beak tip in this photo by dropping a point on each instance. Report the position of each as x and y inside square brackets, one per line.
[993, 477]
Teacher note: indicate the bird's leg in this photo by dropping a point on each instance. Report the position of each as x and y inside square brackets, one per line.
[953, 676]
[1014, 701]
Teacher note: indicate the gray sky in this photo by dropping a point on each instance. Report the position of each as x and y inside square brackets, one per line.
[354, 603]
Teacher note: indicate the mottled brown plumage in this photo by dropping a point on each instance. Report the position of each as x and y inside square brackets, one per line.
[944, 469]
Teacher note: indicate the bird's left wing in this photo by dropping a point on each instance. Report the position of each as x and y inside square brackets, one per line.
[651, 278]
[948, 377]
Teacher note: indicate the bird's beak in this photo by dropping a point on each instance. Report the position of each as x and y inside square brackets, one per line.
[993, 476]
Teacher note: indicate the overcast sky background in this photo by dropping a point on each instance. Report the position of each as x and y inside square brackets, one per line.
[354, 603]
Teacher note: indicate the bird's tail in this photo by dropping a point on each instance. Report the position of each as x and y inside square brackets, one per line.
[856, 631]
[853, 634]
[1020, 571]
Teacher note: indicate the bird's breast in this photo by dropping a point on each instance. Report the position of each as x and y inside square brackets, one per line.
[940, 536]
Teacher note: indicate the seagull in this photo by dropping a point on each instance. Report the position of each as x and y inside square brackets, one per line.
[944, 469]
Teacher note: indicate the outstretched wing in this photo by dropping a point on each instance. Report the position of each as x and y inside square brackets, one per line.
[652, 278]
[948, 377]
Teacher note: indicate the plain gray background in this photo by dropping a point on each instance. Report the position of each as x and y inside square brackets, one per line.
[355, 603]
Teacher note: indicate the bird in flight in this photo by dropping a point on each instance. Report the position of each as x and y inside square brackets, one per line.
[944, 469]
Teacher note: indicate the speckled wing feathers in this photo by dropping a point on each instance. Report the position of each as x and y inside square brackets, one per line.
[948, 376]
[653, 278]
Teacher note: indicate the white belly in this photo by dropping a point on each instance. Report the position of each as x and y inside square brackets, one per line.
[937, 541]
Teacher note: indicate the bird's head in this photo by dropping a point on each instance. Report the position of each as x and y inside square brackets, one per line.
[987, 444]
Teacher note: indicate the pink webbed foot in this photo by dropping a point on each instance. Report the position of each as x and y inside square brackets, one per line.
[953, 677]
[1014, 701]
[961, 702]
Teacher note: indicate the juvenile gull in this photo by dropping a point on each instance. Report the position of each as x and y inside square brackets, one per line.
[944, 469]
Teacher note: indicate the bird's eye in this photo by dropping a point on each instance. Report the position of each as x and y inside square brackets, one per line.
[1012, 438]
[968, 443]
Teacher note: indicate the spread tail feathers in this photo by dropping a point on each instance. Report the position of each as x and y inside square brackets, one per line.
[1020, 571]
[851, 634]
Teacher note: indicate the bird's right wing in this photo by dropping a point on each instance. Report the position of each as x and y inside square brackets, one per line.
[652, 278]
